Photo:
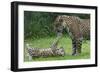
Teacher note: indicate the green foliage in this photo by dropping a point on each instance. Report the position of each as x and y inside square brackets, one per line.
[40, 24]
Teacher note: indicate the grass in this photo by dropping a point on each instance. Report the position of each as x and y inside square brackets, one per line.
[64, 42]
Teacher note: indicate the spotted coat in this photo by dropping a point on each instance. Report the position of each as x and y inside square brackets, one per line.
[45, 52]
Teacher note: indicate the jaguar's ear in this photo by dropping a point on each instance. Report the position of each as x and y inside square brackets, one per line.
[60, 20]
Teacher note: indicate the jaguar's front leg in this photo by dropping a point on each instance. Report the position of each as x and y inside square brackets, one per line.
[73, 47]
[76, 46]
[55, 42]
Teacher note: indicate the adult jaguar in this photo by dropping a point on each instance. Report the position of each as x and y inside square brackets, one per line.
[76, 27]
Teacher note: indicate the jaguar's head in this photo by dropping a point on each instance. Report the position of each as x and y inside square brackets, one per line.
[58, 27]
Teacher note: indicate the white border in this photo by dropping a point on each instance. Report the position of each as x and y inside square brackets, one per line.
[22, 64]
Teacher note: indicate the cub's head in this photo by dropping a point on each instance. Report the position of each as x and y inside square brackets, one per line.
[60, 51]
